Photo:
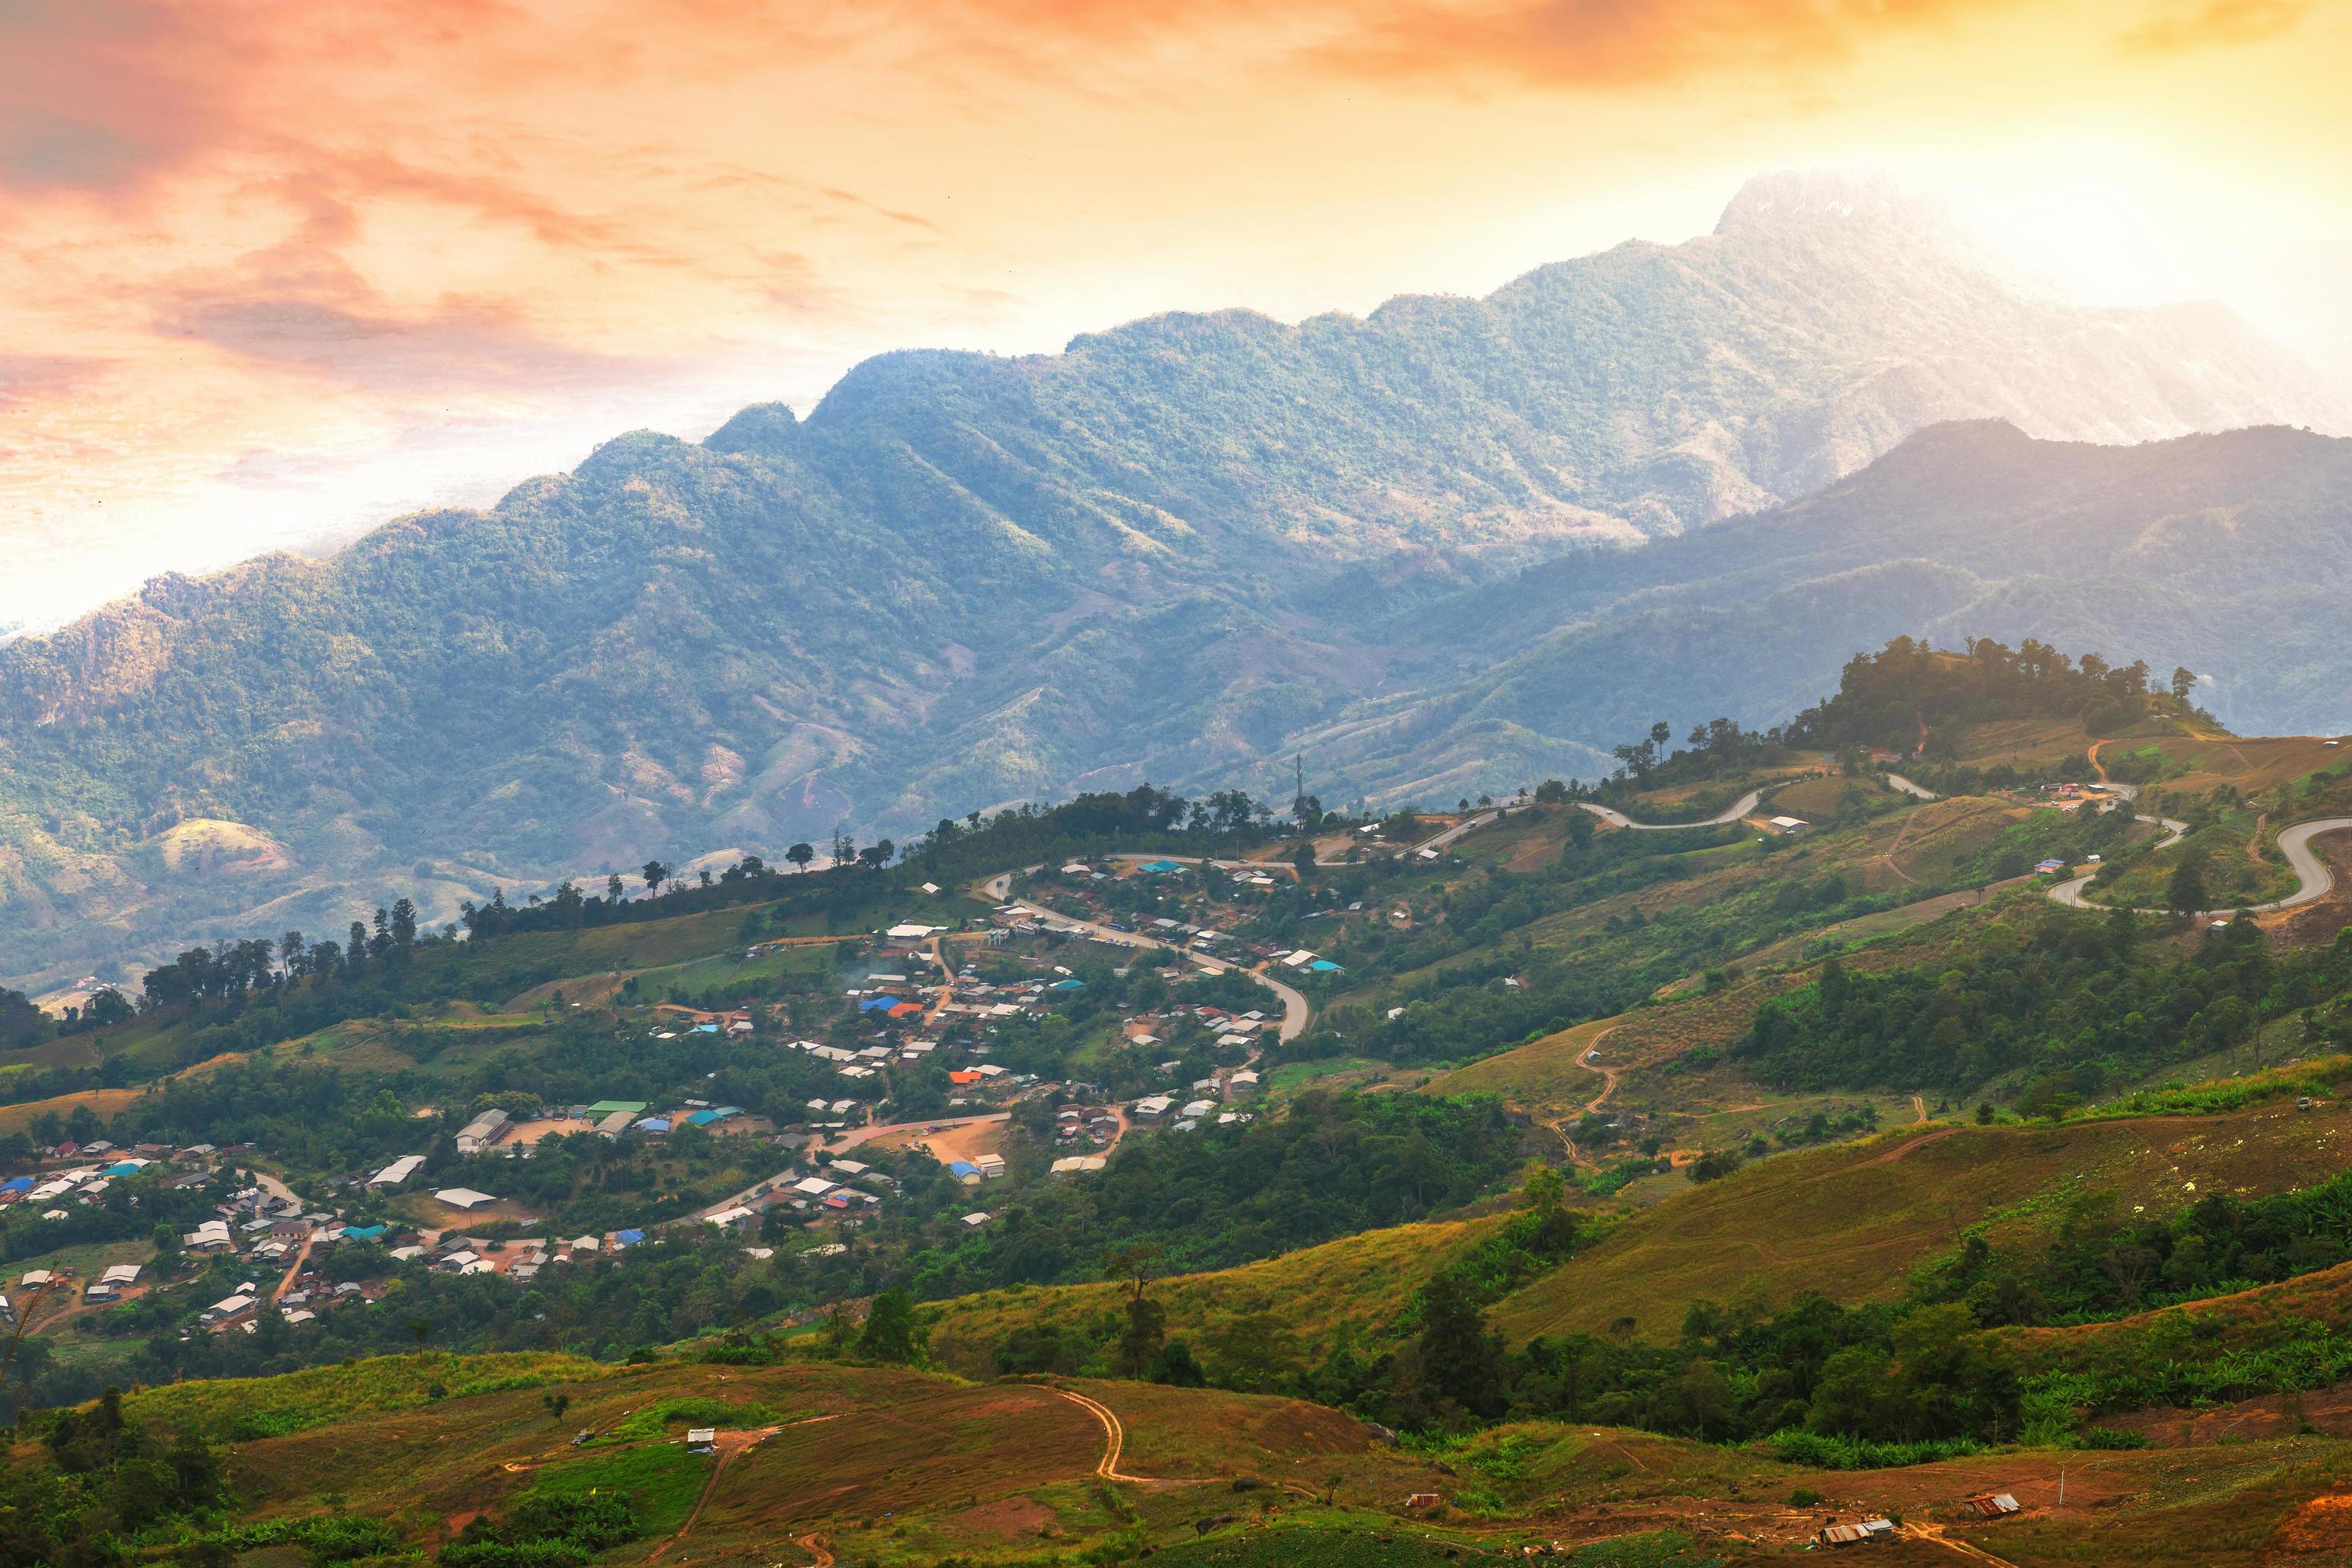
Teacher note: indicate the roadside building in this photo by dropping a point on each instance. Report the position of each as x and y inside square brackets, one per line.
[482, 1132]
[399, 1171]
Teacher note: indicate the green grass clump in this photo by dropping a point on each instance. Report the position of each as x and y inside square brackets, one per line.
[1823, 1451]
[655, 1421]
[660, 1481]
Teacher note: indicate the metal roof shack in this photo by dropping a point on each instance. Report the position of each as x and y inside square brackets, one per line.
[1992, 1505]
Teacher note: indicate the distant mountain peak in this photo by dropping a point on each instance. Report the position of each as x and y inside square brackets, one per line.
[1858, 196]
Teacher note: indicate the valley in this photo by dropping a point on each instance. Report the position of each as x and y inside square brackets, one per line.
[1778, 1134]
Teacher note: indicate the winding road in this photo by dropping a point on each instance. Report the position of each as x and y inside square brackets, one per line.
[1294, 1005]
[2314, 880]
[1733, 813]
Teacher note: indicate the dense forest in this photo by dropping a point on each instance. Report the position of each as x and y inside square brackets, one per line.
[2059, 1008]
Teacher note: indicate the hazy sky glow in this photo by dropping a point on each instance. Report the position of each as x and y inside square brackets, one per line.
[273, 271]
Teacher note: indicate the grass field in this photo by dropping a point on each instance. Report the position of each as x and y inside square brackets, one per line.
[899, 1468]
[1850, 1220]
[2251, 765]
[2239, 867]
[1260, 1309]
[2025, 745]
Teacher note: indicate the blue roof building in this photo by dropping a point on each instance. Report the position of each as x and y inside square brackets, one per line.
[878, 1004]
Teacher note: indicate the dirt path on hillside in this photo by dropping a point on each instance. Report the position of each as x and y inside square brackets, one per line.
[1909, 820]
[726, 1445]
[1608, 1077]
[1934, 1535]
[813, 1544]
[1114, 1442]
[1920, 1106]
[1892, 1156]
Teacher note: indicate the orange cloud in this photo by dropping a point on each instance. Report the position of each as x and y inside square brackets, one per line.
[2219, 23]
[1620, 42]
[324, 248]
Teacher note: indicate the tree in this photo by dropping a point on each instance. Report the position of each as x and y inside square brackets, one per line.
[655, 874]
[891, 1334]
[1302, 857]
[1177, 1367]
[2184, 682]
[404, 923]
[2186, 890]
[106, 1006]
[614, 889]
[1307, 810]
[1142, 1336]
[1460, 1360]
[421, 1329]
[799, 854]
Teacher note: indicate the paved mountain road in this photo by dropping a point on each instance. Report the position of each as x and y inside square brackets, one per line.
[1294, 1005]
[2314, 879]
[1733, 813]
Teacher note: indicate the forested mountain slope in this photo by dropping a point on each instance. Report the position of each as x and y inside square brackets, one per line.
[1163, 553]
[2226, 553]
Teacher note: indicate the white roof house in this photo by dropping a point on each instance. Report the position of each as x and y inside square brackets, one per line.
[120, 1274]
[910, 932]
[477, 1134]
[1787, 824]
[464, 1198]
[812, 1186]
[399, 1171]
[38, 1279]
[975, 1220]
[210, 1236]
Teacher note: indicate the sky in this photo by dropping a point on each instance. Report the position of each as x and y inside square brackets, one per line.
[274, 272]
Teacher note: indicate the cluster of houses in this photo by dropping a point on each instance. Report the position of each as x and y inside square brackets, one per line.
[1210, 1100]
[49, 1194]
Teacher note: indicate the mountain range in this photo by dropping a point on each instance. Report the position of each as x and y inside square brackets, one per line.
[1455, 546]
